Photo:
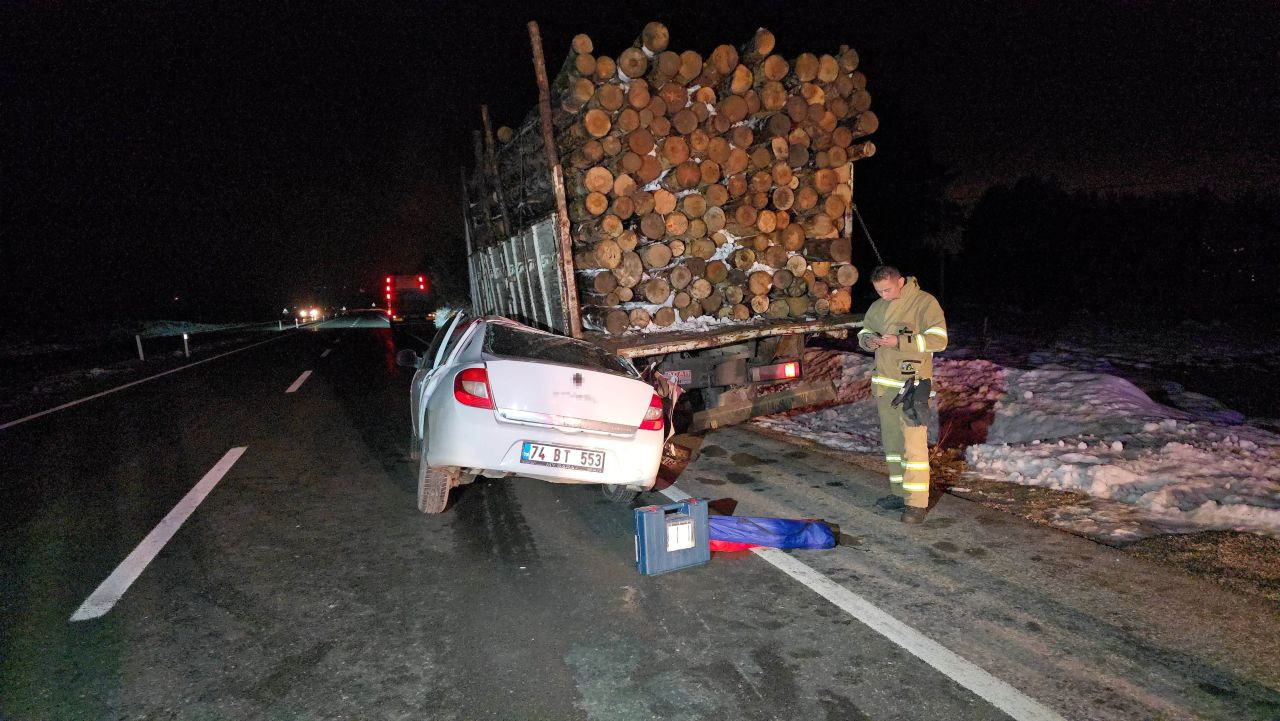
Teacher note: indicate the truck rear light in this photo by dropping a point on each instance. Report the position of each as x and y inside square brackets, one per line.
[653, 417]
[776, 372]
[471, 388]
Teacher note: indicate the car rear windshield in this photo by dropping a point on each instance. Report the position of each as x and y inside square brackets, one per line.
[511, 342]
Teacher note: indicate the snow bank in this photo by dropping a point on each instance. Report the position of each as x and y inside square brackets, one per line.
[1194, 468]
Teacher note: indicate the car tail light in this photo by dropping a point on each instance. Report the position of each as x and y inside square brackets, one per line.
[471, 388]
[776, 372]
[653, 417]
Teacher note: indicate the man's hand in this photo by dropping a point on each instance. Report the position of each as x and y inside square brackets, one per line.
[888, 341]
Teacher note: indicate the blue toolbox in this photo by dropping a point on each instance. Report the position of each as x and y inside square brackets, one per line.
[671, 537]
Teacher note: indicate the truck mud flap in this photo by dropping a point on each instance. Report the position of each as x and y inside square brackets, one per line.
[733, 410]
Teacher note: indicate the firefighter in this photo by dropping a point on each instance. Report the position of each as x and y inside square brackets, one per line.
[904, 328]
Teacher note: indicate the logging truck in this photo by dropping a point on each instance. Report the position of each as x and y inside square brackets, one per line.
[691, 214]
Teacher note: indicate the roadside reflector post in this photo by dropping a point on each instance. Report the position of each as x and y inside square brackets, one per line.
[295, 322]
[279, 325]
[186, 349]
[138, 339]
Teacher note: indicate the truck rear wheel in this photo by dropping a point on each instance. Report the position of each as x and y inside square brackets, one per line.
[434, 483]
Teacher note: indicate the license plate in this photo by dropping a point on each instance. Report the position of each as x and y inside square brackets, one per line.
[679, 377]
[561, 457]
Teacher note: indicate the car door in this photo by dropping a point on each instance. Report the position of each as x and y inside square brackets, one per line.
[422, 385]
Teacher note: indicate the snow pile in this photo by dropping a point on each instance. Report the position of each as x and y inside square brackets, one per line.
[1184, 475]
[1188, 469]
[1053, 402]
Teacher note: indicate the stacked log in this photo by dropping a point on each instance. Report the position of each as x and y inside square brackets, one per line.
[710, 185]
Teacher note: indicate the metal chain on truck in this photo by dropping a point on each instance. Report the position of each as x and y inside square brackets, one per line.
[867, 232]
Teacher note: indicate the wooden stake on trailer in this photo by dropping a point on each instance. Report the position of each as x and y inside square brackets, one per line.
[848, 210]
[573, 321]
[491, 157]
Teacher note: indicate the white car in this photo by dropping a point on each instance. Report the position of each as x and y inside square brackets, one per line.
[495, 398]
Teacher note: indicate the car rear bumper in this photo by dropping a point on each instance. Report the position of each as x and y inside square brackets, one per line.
[475, 438]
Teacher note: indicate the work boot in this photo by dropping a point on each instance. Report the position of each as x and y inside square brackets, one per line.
[914, 515]
[890, 503]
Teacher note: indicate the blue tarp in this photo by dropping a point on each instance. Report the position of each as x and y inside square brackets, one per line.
[772, 532]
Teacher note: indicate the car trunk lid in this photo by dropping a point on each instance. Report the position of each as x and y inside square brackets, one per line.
[568, 398]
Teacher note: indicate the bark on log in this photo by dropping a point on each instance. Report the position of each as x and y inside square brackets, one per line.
[757, 47]
[601, 283]
[835, 250]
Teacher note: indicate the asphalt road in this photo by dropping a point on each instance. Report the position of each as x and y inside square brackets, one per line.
[306, 585]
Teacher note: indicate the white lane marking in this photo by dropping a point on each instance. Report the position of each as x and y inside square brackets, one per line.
[326, 352]
[110, 590]
[86, 399]
[996, 692]
[298, 383]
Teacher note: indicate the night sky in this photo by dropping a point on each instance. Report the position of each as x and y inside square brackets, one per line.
[244, 156]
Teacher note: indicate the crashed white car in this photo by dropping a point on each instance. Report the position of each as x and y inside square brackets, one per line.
[496, 398]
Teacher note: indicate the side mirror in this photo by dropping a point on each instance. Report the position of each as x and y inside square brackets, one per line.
[406, 358]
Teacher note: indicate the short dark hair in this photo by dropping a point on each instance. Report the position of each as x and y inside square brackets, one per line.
[885, 272]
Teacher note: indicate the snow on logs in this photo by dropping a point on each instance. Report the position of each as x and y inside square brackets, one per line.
[711, 185]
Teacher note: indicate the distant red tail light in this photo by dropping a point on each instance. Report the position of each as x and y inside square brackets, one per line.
[653, 417]
[471, 388]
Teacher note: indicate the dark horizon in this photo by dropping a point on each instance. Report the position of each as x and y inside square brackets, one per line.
[249, 157]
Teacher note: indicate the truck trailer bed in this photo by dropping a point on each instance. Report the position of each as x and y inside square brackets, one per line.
[642, 345]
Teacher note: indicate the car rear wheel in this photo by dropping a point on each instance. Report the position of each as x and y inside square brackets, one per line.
[434, 483]
[619, 493]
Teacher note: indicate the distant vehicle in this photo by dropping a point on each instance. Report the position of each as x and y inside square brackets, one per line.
[408, 299]
[496, 398]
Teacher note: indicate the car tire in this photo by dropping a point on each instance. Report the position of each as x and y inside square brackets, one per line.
[616, 493]
[434, 483]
